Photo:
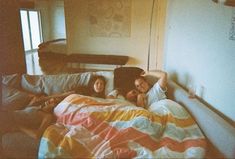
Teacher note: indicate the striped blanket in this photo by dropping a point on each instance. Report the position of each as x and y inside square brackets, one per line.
[89, 127]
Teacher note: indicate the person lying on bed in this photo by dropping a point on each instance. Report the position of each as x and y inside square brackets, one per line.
[95, 88]
[133, 96]
[149, 94]
[32, 120]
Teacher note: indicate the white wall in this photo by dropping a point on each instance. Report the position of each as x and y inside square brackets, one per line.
[135, 46]
[58, 29]
[52, 18]
[198, 50]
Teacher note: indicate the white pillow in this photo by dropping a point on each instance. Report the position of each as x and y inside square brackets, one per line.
[52, 84]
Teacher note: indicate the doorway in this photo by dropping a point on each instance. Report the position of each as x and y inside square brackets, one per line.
[32, 37]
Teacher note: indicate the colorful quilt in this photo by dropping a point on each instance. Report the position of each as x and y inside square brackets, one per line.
[89, 127]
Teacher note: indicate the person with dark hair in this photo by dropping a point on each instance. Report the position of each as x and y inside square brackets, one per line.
[137, 98]
[95, 88]
[150, 94]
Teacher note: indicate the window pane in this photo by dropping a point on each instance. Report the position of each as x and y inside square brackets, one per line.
[29, 63]
[34, 24]
[25, 30]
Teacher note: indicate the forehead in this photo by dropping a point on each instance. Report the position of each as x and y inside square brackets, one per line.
[99, 80]
[139, 80]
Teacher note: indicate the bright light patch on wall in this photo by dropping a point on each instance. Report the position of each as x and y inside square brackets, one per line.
[109, 18]
[232, 30]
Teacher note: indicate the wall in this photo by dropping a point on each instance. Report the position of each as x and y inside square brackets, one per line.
[12, 54]
[58, 23]
[198, 50]
[135, 46]
[52, 18]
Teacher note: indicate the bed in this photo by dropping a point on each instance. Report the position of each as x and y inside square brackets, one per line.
[89, 127]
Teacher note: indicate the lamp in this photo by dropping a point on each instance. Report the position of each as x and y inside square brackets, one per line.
[226, 2]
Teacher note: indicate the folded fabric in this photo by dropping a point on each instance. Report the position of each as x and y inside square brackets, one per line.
[13, 80]
[14, 99]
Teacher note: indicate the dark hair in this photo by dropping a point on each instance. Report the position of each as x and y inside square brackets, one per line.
[91, 86]
[133, 99]
[140, 77]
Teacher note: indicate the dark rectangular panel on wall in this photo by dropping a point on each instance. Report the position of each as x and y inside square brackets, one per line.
[11, 41]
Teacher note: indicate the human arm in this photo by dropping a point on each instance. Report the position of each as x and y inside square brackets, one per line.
[162, 77]
[38, 100]
[61, 95]
[113, 94]
[141, 100]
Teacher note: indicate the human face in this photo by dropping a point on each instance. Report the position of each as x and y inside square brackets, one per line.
[132, 95]
[141, 85]
[99, 86]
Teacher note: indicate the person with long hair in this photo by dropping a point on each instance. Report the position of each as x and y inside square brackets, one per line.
[148, 93]
[95, 88]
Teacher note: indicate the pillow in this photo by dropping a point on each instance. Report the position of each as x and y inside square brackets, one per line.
[32, 83]
[53, 84]
[124, 78]
[14, 99]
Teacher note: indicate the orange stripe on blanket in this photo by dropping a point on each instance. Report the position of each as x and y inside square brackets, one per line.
[120, 138]
[122, 115]
[131, 114]
[56, 135]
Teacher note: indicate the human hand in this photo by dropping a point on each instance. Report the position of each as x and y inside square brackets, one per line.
[141, 100]
[37, 99]
[52, 101]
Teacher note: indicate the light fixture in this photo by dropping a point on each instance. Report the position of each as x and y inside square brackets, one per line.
[226, 2]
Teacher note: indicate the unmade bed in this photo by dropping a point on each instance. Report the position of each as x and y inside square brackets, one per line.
[89, 127]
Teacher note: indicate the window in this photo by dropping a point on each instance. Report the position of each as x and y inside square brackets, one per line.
[31, 29]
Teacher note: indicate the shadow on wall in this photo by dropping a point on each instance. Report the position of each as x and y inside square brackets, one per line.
[188, 84]
[186, 80]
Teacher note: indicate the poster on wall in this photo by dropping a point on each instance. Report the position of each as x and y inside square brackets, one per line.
[232, 30]
[109, 18]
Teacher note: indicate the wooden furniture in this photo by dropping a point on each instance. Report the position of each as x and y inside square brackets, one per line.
[53, 54]
[86, 58]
